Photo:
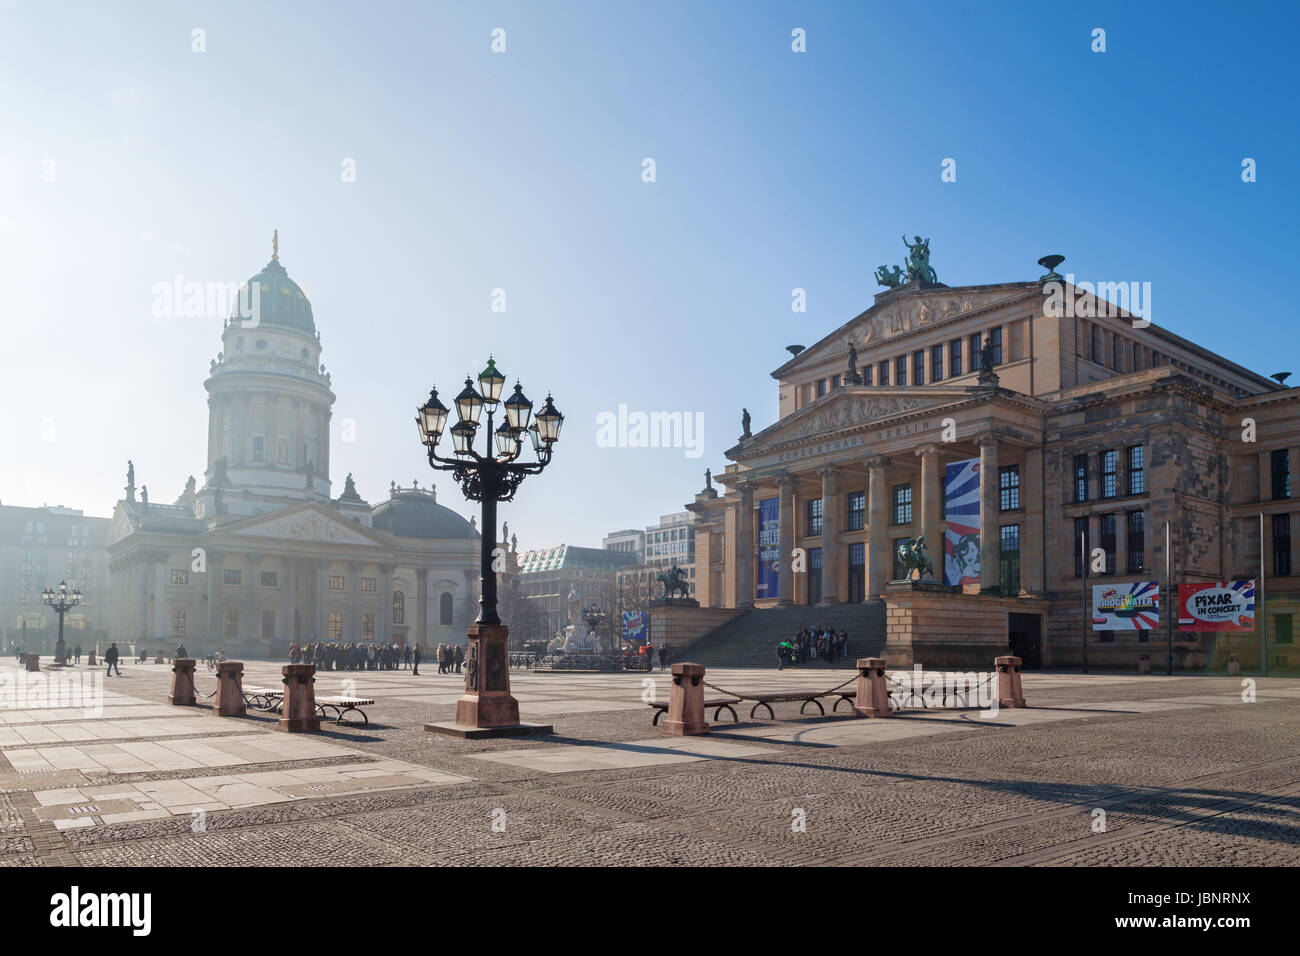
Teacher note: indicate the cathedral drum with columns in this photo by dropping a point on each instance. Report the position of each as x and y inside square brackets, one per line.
[1017, 443]
[261, 555]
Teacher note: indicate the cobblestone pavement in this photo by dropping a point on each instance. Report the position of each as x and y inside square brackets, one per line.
[1099, 770]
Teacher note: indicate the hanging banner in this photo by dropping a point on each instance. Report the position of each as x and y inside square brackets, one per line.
[1221, 606]
[636, 625]
[961, 506]
[769, 548]
[1126, 607]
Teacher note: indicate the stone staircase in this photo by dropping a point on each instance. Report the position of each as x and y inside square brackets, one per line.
[750, 640]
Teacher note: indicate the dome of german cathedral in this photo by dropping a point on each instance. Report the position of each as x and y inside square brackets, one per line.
[283, 303]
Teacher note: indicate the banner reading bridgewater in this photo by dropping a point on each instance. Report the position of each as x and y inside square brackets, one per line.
[1126, 607]
[1217, 606]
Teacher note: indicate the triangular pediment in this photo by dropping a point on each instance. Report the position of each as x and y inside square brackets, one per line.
[844, 410]
[307, 524]
[898, 314]
[121, 526]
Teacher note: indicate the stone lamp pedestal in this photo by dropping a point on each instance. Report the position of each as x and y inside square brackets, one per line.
[488, 709]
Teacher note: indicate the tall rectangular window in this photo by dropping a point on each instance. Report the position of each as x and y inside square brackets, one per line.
[367, 584]
[1137, 541]
[180, 576]
[1094, 344]
[857, 573]
[178, 622]
[1009, 558]
[1080, 478]
[918, 367]
[231, 576]
[367, 627]
[1283, 629]
[268, 625]
[259, 448]
[1009, 488]
[1281, 461]
[866, 374]
[857, 511]
[1281, 544]
[821, 387]
[975, 346]
[954, 358]
[996, 335]
[1081, 544]
[232, 622]
[1107, 533]
[336, 582]
[902, 504]
[1137, 479]
[900, 370]
[884, 373]
[1109, 474]
[815, 516]
[336, 625]
[936, 363]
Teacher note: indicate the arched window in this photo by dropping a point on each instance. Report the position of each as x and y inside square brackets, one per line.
[445, 609]
[399, 607]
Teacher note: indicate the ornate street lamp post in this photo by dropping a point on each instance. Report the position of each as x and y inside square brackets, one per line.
[488, 709]
[61, 599]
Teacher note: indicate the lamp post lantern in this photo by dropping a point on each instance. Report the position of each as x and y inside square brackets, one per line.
[61, 599]
[488, 709]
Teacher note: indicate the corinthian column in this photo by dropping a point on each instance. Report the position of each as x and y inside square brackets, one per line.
[878, 562]
[785, 541]
[744, 549]
[932, 506]
[990, 550]
[830, 527]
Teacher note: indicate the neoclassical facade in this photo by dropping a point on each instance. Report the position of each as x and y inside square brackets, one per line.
[261, 555]
[1088, 431]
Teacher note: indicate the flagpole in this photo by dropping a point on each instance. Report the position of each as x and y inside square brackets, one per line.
[1087, 612]
[1262, 614]
[1171, 605]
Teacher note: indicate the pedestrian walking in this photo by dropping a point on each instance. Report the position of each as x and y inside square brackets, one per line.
[415, 656]
[110, 658]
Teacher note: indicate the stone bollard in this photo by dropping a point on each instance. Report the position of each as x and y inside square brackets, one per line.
[872, 698]
[182, 694]
[32, 662]
[90, 658]
[298, 712]
[686, 701]
[1009, 692]
[230, 690]
[1144, 664]
[1234, 666]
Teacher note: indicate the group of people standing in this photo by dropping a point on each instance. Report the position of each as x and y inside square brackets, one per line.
[354, 656]
[816, 643]
[450, 658]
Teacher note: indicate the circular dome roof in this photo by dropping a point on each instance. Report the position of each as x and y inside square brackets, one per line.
[419, 516]
[283, 303]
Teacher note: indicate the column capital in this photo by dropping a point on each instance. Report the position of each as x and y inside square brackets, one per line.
[990, 439]
[877, 461]
[828, 471]
[926, 451]
[784, 480]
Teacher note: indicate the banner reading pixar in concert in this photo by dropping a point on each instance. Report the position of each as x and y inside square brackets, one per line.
[1221, 606]
[1126, 607]
[961, 508]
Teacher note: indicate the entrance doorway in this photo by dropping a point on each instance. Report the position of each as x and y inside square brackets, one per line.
[1025, 635]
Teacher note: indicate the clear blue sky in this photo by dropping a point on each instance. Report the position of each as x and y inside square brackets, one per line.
[522, 171]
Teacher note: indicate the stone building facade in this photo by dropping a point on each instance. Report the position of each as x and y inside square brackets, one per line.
[261, 555]
[1091, 426]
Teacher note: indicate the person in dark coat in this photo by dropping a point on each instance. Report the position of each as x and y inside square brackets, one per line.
[110, 658]
[415, 656]
[459, 654]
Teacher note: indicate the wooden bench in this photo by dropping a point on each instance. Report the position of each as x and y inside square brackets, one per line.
[264, 698]
[768, 698]
[343, 705]
[719, 704]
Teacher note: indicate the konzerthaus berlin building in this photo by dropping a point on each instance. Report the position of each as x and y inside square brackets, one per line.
[1085, 426]
[261, 554]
